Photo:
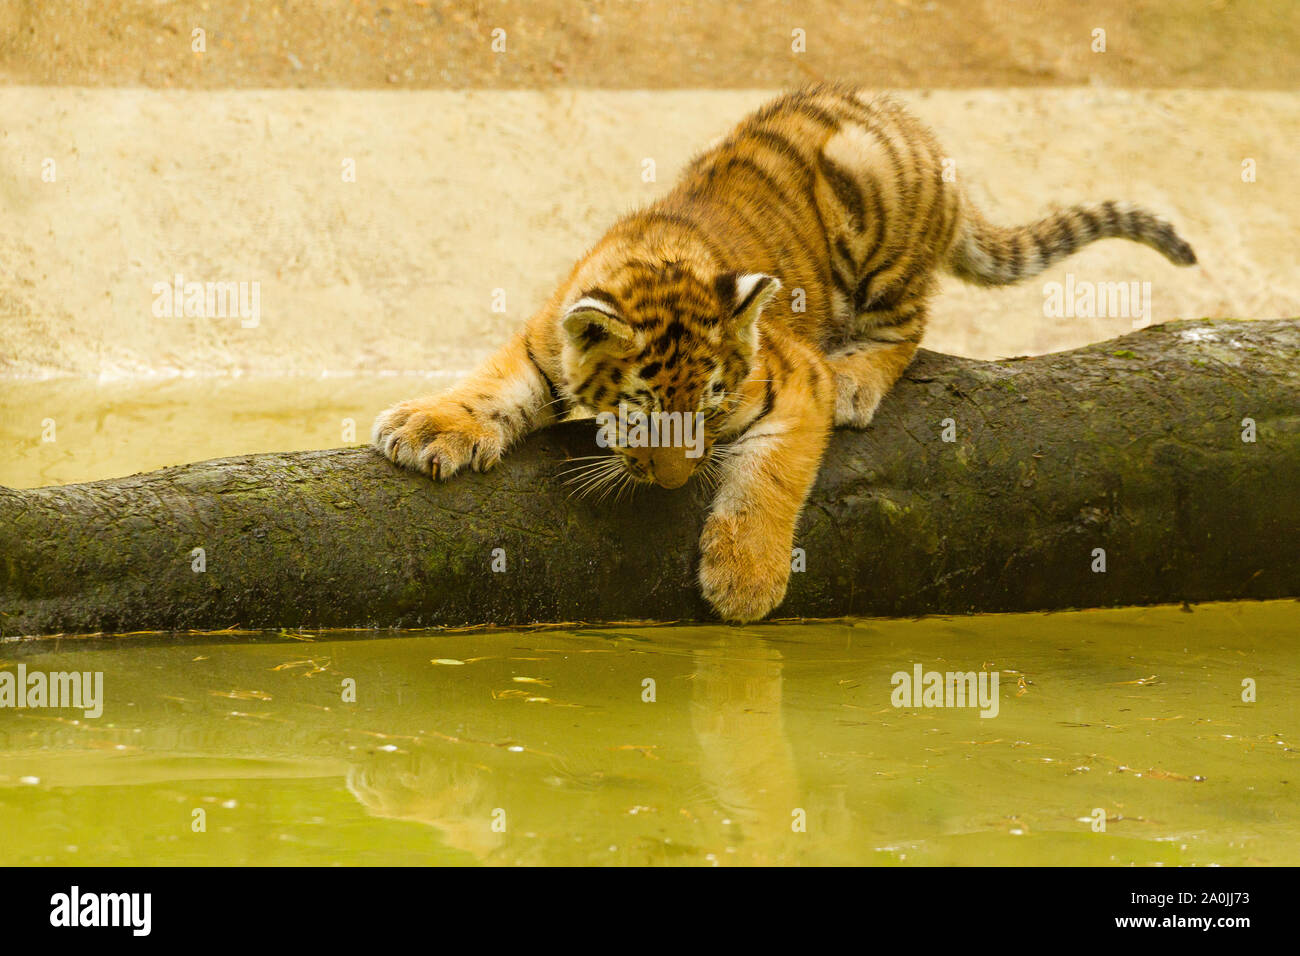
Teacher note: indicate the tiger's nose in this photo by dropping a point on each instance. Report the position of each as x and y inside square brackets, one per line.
[670, 467]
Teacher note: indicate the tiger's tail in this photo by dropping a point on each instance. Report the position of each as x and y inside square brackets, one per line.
[985, 254]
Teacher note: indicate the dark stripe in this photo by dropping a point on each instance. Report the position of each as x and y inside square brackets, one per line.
[753, 294]
[763, 178]
[813, 111]
[815, 372]
[1064, 234]
[724, 286]
[746, 165]
[859, 300]
[888, 127]
[1136, 223]
[906, 313]
[994, 250]
[778, 144]
[845, 189]
[600, 295]
[842, 247]
[884, 299]
[927, 222]
[1094, 227]
[845, 98]
[783, 210]
[761, 237]
[868, 119]
[1044, 249]
[1017, 255]
[797, 102]
[581, 390]
[877, 221]
[918, 263]
[1166, 237]
[555, 392]
[769, 401]
[781, 146]
[775, 107]
[952, 215]
[924, 241]
[843, 284]
[864, 287]
[1112, 217]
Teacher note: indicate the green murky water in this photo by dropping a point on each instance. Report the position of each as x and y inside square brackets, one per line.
[61, 431]
[771, 744]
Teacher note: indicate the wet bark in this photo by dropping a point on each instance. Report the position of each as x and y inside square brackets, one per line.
[1129, 451]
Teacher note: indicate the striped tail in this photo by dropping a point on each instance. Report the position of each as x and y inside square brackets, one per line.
[992, 255]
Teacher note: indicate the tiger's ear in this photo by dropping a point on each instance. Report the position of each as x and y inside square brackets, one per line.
[746, 293]
[592, 323]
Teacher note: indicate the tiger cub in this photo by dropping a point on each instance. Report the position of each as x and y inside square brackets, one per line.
[779, 289]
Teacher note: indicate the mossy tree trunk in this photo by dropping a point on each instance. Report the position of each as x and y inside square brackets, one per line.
[1131, 451]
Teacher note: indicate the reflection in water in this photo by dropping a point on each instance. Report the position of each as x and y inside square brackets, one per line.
[746, 766]
[768, 745]
[436, 789]
[747, 762]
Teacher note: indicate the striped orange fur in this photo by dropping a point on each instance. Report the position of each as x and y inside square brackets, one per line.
[779, 289]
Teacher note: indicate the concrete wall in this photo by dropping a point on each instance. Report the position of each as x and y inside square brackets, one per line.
[461, 193]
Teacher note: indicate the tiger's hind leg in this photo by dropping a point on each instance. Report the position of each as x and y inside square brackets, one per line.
[866, 369]
[864, 373]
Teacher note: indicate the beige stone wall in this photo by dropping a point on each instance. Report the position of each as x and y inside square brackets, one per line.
[461, 193]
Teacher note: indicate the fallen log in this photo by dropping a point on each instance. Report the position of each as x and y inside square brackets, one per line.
[1159, 467]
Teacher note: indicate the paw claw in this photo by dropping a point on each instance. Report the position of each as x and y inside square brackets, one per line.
[436, 437]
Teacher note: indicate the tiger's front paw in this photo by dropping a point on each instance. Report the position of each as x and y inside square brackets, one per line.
[438, 437]
[743, 572]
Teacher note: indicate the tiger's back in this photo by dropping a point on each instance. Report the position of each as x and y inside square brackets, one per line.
[843, 195]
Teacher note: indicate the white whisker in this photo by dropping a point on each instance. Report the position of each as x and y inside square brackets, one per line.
[595, 476]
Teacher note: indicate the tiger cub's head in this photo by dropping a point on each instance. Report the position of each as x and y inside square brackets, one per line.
[659, 355]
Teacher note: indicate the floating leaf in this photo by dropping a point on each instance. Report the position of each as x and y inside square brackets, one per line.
[242, 694]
